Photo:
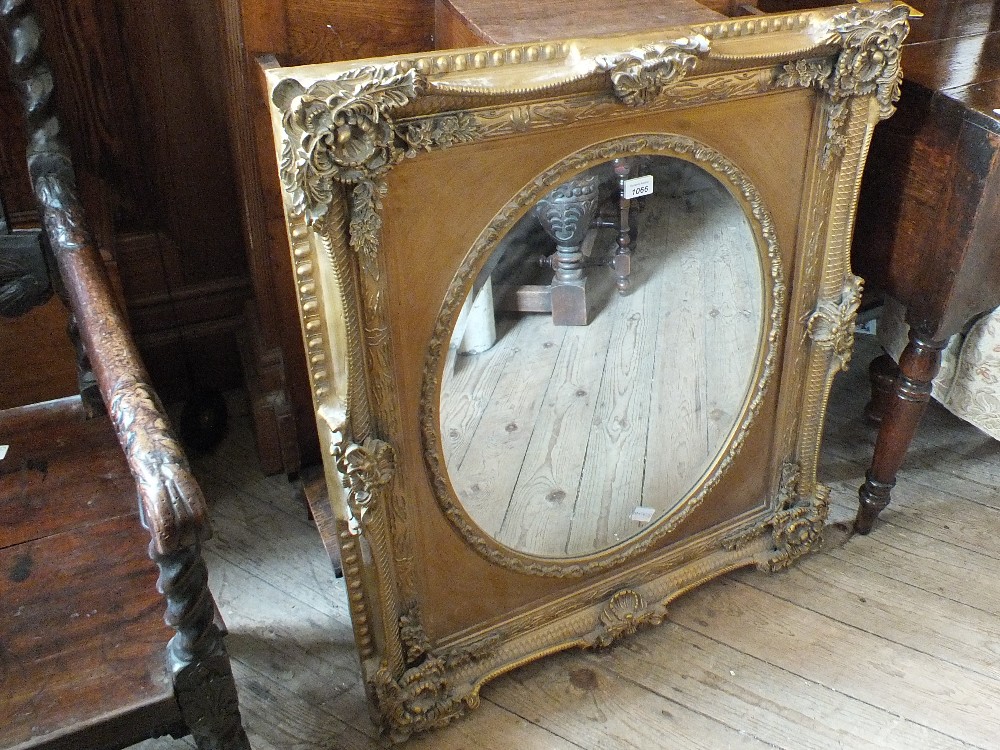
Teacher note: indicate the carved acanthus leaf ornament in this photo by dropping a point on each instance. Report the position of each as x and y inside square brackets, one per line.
[640, 76]
[870, 60]
[796, 526]
[420, 699]
[424, 697]
[832, 323]
[339, 131]
[365, 470]
[869, 63]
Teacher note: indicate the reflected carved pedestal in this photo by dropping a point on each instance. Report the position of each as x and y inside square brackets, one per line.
[566, 214]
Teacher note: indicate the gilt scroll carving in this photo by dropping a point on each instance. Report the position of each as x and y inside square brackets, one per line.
[639, 77]
[366, 471]
[832, 324]
[796, 526]
[341, 131]
[868, 65]
[623, 615]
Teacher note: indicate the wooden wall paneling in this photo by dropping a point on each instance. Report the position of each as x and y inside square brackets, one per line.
[209, 344]
[186, 327]
[144, 113]
[268, 340]
[184, 136]
[325, 31]
[44, 370]
[89, 58]
[271, 341]
[187, 233]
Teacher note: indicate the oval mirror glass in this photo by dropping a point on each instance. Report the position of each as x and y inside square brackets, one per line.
[603, 358]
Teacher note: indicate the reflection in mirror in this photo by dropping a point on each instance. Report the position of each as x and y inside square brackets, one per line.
[565, 434]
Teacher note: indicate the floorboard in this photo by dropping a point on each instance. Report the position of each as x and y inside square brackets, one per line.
[885, 641]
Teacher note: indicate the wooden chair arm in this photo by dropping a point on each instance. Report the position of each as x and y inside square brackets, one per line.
[173, 507]
[172, 504]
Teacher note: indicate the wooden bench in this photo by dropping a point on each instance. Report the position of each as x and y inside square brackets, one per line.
[87, 658]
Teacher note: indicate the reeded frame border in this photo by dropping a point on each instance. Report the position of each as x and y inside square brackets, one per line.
[341, 128]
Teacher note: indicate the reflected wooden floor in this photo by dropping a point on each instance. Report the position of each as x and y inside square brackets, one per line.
[887, 641]
[557, 436]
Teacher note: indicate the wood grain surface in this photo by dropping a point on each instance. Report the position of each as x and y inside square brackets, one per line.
[83, 637]
[512, 21]
[885, 641]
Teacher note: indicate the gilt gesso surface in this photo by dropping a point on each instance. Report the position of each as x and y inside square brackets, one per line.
[403, 176]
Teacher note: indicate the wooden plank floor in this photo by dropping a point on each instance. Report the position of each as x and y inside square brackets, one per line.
[886, 641]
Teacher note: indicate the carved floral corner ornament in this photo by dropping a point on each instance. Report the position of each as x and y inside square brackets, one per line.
[339, 131]
[796, 527]
[641, 76]
[868, 64]
[870, 61]
[425, 696]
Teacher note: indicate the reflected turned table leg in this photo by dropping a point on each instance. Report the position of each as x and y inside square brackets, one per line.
[621, 263]
[911, 391]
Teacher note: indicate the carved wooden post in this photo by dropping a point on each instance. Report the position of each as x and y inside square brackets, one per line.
[32, 77]
[203, 678]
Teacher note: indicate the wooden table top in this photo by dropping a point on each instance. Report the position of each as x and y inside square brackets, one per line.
[517, 21]
[955, 50]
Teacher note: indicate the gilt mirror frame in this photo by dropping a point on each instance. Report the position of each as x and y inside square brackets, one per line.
[384, 250]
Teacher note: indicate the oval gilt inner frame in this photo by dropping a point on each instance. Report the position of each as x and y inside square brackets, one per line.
[760, 222]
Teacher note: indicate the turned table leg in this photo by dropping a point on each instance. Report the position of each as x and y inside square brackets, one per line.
[900, 416]
[882, 374]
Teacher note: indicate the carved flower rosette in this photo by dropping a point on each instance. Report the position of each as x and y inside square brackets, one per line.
[639, 77]
[339, 131]
[870, 61]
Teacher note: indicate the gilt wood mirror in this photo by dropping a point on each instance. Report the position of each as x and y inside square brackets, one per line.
[572, 310]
